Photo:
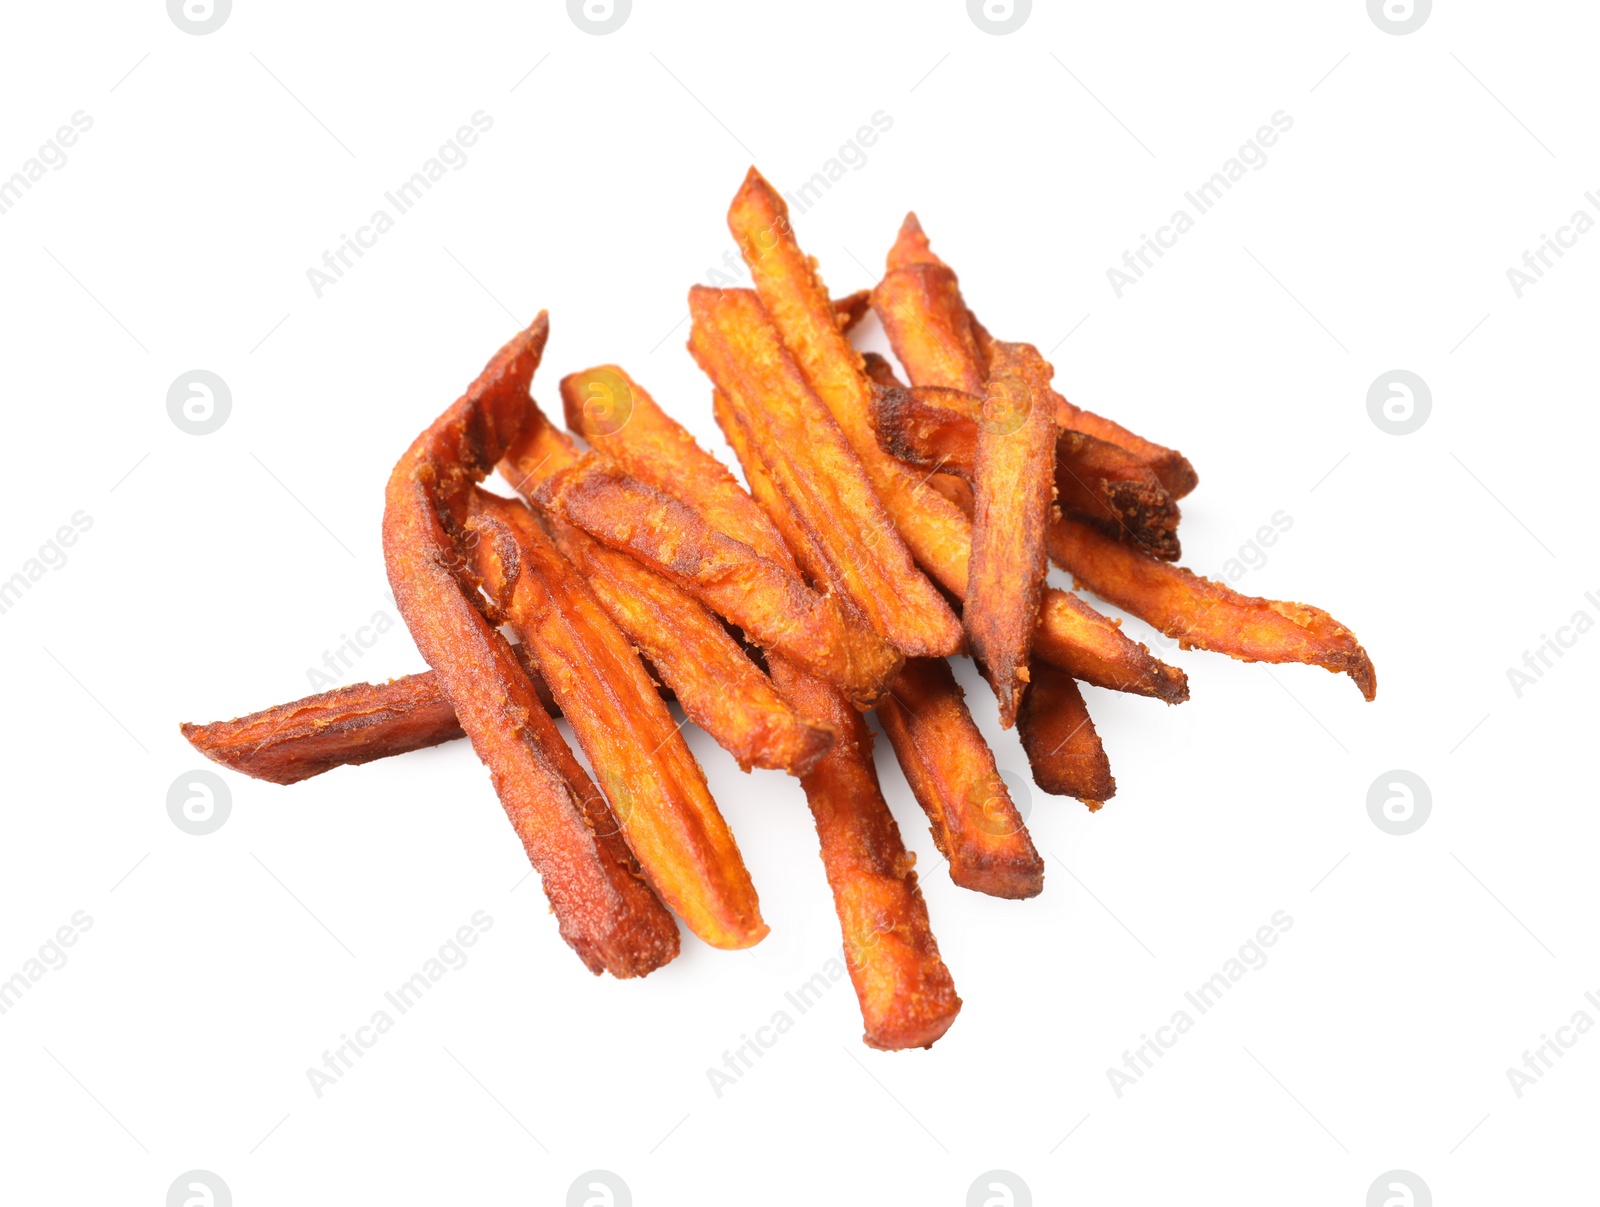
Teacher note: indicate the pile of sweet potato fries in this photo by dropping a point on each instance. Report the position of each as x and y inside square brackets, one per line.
[884, 528]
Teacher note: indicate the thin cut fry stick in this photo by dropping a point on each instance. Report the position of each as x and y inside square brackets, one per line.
[775, 609]
[606, 912]
[715, 681]
[347, 726]
[1205, 614]
[1071, 634]
[1013, 499]
[1063, 748]
[654, 784]
[952, 773]
[906, 994]
[812, 463]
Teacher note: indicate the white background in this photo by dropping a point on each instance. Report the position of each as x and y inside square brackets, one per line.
[220, 567]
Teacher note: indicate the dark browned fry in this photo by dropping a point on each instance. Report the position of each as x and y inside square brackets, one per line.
[774, 608]
[1013, 499]
[908, 999]
[812, 463]
[952, 773]
[1063, 748]
[941, 343]
[849, 310]
[343, 727]
[605, 910]
[1205, 614]
[937, 429]
[719, 687]
[656, 788]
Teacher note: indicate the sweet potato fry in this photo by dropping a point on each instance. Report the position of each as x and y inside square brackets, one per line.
[906, 995]
[937, 428]
[812, 463]
[1063, 748]
[941, 343]
[849, 310]
[774, 608]
[1205, 614]
[908, 999]
[795, 299]
[938, 534]
[605, 910]
[952, 774]
[1013, 500]
[654, 784]
[346, 726]
[719, 687]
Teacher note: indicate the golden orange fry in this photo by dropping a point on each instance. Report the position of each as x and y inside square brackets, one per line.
[907, 996]
[1205, 614]
[952, 773]
[1013, 500]
[605, 910]
[1062, 746]
[939, 535]
[645, 768]
[774, 608]
[933, 530]
[919, 302]
[812, 463]
[719, 687]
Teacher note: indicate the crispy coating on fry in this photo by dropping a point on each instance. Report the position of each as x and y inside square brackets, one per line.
[952, 773]
[774, 608]
[906, 995]
[605, 910]
[346, 726]
[908, 999]
[849, 310]
[942, 343]
[1205, 614]
[355, 724]
[1063, 748]
[937, 428]
[812, 463]
[656, 788]
[715, 681]
[794, 297]
[1013, 500]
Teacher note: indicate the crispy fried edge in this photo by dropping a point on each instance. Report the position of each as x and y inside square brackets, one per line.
[907, 997]
[735, 343]
[605, 910]
[1204, 614]
[656, 787]
[773, 607]
[1063, 749]
[715, 681]
[794, 296]
[1013, 500]
[952, 773]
